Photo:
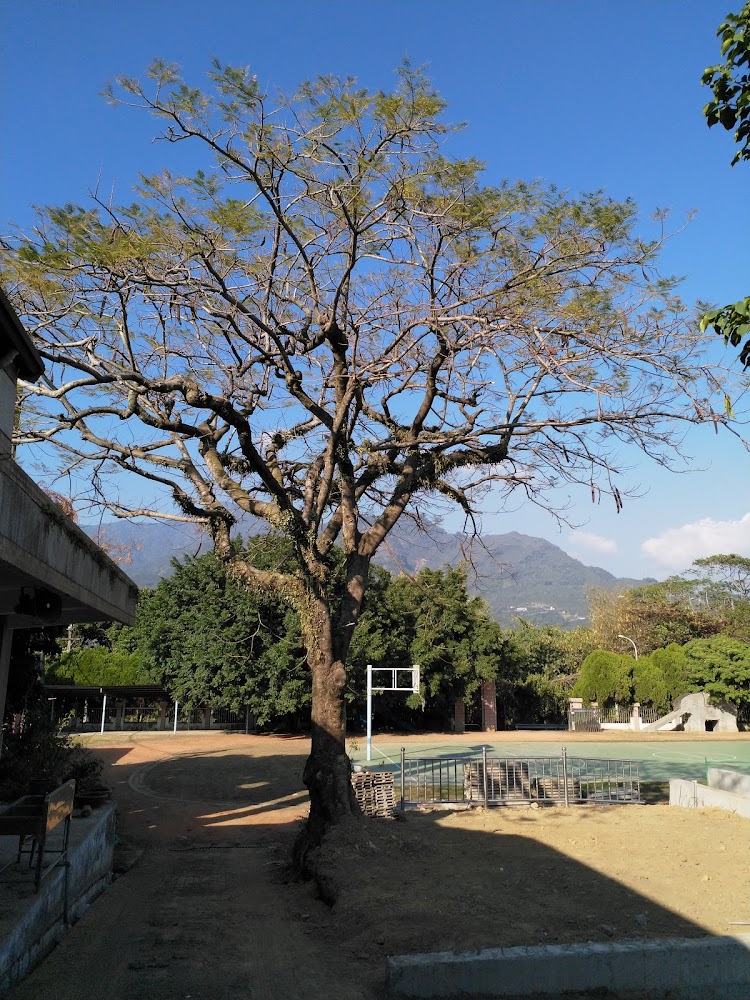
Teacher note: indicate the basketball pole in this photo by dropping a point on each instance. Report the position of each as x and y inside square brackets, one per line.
[394, 686]
[369, 711]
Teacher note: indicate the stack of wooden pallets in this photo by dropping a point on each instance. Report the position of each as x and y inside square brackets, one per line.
[506, 780]
[374, 792]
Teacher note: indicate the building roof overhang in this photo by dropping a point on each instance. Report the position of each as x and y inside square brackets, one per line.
[45, 557]
[15, 344]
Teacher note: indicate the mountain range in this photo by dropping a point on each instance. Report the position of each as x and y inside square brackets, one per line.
[517, 575]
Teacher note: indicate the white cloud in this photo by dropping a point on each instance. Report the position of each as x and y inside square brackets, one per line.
[678, 547]
[592, 543]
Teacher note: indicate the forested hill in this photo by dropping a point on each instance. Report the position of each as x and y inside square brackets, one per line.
[518, 575]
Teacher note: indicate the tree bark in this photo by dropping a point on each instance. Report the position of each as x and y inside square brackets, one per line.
[327, 773]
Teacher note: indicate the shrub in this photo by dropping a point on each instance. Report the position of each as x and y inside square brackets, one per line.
[42, 753]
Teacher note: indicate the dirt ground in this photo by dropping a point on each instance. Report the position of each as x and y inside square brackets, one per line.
[436, 881]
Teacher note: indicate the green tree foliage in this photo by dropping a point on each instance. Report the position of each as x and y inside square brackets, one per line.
[606, 677]
[720, 666]
[450, 633]
[98, 665]
[730, 107]
[210, 640]
[328, 324]
[548, 664]
[670, 661]
[711, 598]
[649, 686]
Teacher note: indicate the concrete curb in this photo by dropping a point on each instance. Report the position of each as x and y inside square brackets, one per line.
[694, 795]
[707, 968]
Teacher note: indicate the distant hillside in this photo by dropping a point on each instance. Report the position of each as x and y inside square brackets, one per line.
[518, 575]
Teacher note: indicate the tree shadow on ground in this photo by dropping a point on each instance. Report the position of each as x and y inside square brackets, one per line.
[211, 795]
[421, 886]
[388, 888]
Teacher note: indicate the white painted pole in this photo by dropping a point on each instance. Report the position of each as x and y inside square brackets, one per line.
[104, 712]
[176, 706]
[369, 711]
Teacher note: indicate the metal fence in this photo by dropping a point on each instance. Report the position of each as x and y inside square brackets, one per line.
[93, 716]
[591, 719]
[649, 714]
[226, 719]
[616, 713]
[518, 780]
[197, 718]
[584, 720]
[140, 717]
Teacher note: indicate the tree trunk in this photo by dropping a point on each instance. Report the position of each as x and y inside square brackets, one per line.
[327, 773]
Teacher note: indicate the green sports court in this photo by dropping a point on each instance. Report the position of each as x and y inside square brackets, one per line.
[659, 760]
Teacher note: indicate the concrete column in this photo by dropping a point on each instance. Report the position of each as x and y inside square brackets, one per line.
[6, 639]
[207, 717]
[459, 716]
[119, 715]
[163, 713]
[635, 717]
[489, 707]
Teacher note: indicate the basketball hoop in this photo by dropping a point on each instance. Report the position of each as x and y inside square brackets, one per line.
[400, 679]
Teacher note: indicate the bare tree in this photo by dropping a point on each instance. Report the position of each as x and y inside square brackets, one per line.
[333, 324]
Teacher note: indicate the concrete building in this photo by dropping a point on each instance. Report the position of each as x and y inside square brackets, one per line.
[51, 573]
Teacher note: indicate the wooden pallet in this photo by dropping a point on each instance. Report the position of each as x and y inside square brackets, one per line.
[553, 787]
[374, 792]
[507, 780]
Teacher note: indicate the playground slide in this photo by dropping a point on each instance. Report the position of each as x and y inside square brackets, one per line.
[670, 721]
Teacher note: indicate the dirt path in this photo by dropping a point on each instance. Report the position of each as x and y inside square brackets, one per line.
[203, 914]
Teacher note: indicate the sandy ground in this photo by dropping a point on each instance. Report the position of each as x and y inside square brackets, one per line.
[208, 910]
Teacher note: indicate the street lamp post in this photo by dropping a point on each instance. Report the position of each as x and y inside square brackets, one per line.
[628, 639]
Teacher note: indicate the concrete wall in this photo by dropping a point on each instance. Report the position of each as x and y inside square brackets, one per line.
[693, 795]
[729, 781]
[37, 539]
[40, 924]
[7, 410]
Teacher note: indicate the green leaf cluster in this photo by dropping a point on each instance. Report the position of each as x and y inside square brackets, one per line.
[732, 322]
[721, 666]
[730, 107]
[606, 678]
[730, 82]
[210, 640]
[96, 665]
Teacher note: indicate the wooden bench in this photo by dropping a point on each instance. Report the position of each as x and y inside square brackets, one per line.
[32, 818]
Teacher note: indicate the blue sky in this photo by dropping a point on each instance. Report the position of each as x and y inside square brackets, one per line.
[584, 94]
